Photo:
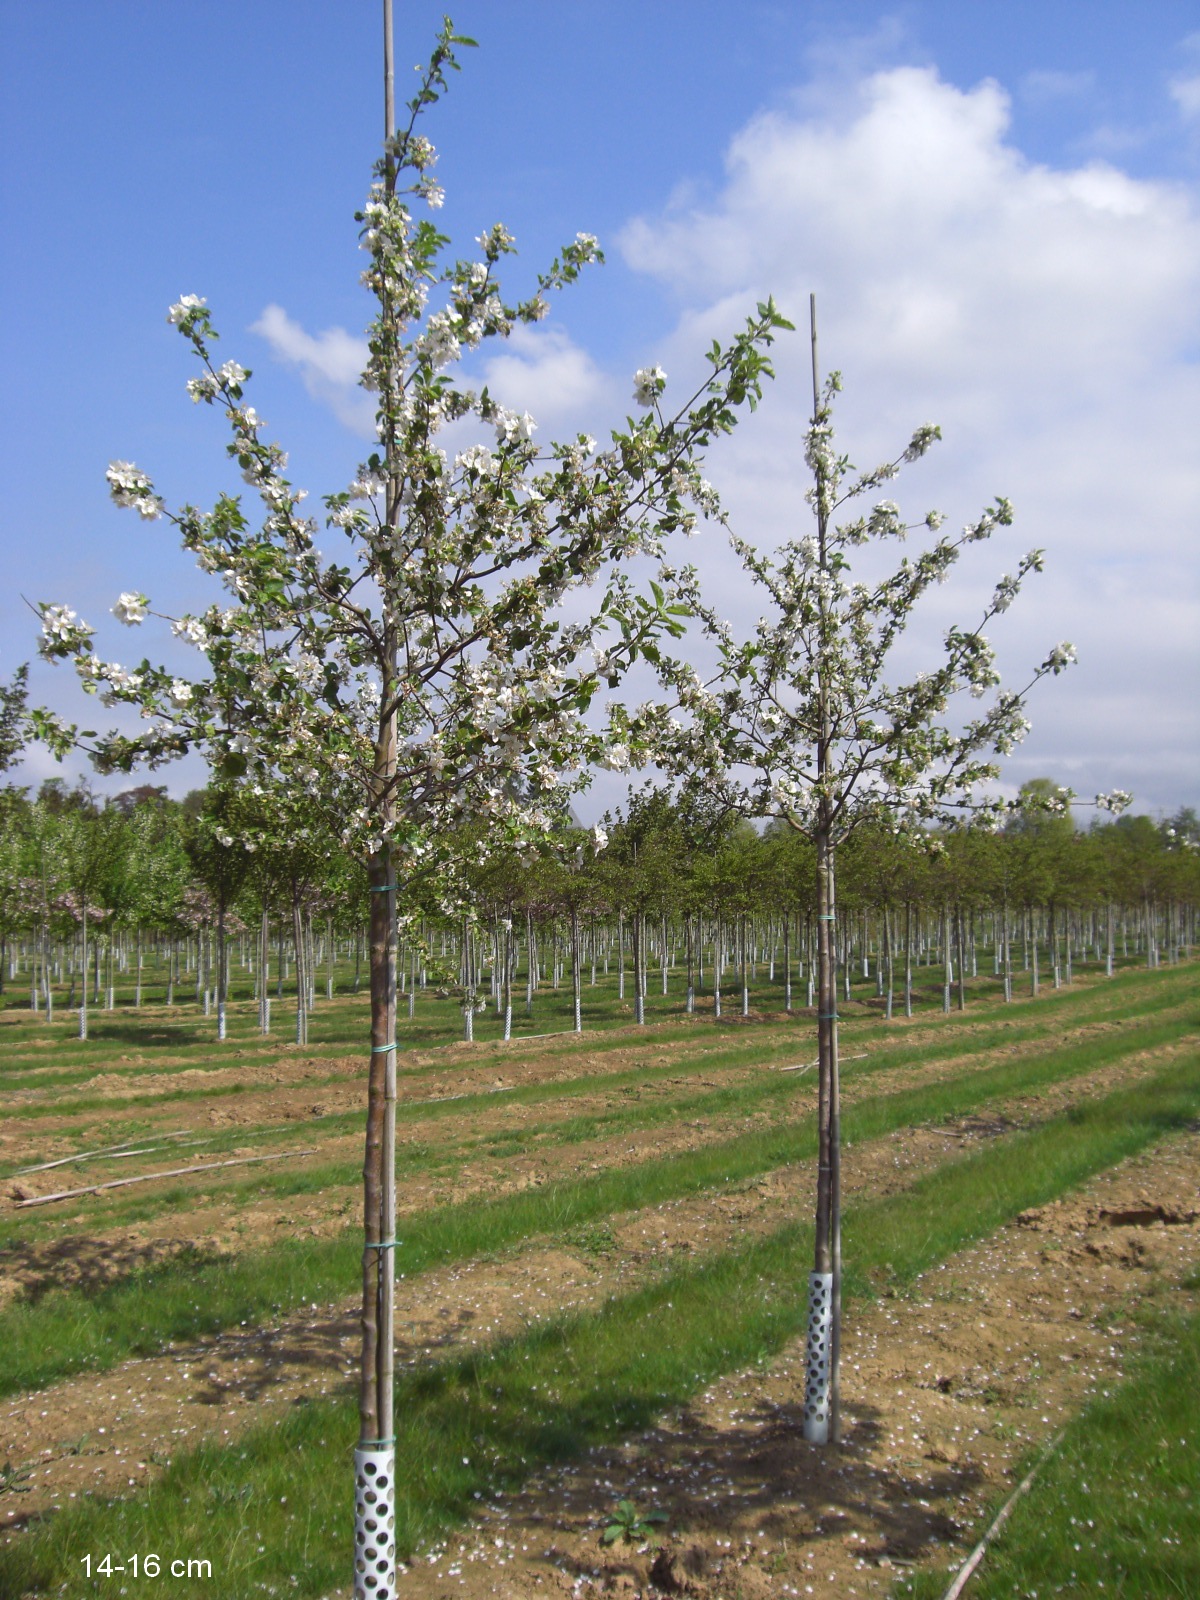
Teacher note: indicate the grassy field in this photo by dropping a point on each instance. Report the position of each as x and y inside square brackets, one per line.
[565, 1145]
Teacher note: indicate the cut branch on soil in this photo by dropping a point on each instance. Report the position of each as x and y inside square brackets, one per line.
[148, 1177]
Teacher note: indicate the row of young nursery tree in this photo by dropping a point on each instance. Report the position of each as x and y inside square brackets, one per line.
[94, 894]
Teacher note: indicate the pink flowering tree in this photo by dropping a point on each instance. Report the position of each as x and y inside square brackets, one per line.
[422, 675]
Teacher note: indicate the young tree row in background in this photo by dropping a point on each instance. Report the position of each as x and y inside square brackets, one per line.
[91, 887]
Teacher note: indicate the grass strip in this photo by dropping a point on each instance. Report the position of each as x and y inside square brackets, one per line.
[1116, 1510]
[67, 1331]
[271, 1511]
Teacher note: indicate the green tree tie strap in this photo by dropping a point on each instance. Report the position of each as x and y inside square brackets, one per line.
[382, 1049]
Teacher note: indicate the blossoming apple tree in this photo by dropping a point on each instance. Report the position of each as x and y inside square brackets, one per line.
[425, 676]
[798, 723]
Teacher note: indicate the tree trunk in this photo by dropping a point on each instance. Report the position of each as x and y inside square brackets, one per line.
[638, 934]
[576, 981]
[1007, 953]
[301, 983]
[887, 959]
[379, 1196]
[821, 1420]
[221, 967]
[83, 976]
[509, 963]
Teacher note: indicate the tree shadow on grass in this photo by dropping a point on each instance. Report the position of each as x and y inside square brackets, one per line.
[93, 1266]
[147, 1034]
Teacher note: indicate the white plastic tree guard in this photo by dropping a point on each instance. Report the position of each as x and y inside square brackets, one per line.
[375, 1523]
[819, 1362]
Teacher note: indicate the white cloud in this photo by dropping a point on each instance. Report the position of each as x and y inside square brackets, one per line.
[538, 370]
[330, 363]
[541, 371]
[1186, 94]
[1046, 317]
[1044, 87]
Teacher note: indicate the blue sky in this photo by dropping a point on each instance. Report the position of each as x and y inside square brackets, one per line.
[996, 204]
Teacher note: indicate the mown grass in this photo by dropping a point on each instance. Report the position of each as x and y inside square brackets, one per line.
[1115, 1511]
[273, 1509]
[69, 1331]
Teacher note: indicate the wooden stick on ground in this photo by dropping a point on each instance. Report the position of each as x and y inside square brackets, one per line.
[976, 1556]
[808, 1065]
[147, 1177]
[82, 1155]
[116, 1154]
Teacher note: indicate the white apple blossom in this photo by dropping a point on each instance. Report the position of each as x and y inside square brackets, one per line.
[648, 384]
[129, 487]
[496, 241]
[58, 622]
[616, 758]
[439, 343]
[184, 307]
[192, 630]
[1116, 801]
[477, 458]
[202, 388]
[513, 429]
[181, 692]
[367, 486]
[130, 609]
